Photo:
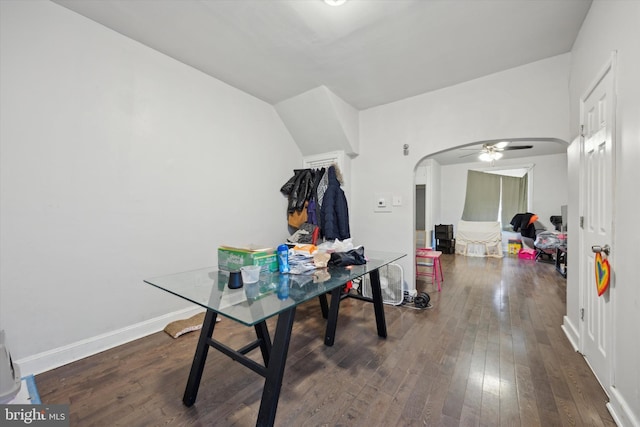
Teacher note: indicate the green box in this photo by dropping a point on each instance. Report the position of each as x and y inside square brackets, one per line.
[268, 262]
[231, 259]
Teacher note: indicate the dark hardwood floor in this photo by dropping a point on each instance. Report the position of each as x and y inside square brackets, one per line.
[489, 353]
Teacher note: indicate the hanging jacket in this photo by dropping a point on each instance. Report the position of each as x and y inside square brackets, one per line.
[296, 218]
[298, 189]
[334, 213]
[312, 215]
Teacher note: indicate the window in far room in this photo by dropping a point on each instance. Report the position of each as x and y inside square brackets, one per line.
[497, 195]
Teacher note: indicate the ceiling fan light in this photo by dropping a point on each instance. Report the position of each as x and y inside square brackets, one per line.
[335, 2]
[485, 157]
[490, 156]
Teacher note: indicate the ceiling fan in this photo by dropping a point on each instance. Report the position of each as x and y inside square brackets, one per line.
[492, 152]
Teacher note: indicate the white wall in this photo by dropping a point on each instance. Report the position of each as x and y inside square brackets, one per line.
[549, 185]
[526, 101]
[615, 25]
[119, 164]
[428, 173]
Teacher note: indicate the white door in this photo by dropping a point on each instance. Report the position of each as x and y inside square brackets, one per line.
[597, 114]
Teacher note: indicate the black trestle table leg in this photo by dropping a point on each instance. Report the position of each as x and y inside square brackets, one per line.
[332, 321]
[265, 341]
[275, 368]
[199, 358]
[324, 307]
[378, 304]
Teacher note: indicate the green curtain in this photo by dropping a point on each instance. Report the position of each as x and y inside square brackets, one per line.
[514, 198]
[483, 197]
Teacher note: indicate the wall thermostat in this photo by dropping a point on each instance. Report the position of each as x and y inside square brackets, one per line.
[382, 202]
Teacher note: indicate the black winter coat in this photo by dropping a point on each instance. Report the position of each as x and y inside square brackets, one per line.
[298, 189]
[334, 213]
[520, 223]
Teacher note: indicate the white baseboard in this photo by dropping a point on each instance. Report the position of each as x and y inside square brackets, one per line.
[620, 410]
[42, 362]
[571, 332]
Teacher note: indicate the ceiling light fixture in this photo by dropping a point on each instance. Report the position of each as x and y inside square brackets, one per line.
[490, 156]
[335, 2]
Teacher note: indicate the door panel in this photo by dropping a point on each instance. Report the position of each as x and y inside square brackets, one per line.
[597, 208]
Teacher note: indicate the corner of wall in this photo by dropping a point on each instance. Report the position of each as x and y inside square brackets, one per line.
[320, 122]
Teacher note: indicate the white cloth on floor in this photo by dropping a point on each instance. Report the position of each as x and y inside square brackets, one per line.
[479, 238]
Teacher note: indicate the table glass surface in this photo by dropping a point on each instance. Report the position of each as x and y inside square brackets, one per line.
[272, 294]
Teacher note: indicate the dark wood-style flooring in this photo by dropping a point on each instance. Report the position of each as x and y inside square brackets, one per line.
[489, 353]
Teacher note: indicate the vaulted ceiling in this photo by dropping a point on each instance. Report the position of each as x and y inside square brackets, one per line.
[367, 52]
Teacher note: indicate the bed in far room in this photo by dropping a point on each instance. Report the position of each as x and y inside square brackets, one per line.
[479, 239]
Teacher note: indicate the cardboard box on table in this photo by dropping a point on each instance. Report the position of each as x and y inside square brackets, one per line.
[232, 258]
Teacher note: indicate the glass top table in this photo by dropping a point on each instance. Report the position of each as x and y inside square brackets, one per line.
[254, 303]
[272, 294]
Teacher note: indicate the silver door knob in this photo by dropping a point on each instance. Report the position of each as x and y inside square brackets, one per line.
[597, 249]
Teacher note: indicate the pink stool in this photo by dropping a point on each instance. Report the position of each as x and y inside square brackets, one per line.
[426, 258]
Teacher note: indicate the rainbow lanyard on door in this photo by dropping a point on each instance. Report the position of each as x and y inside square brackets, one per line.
[603, 274]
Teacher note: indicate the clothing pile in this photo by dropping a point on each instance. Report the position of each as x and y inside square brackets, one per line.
[316, 201]
[525, 224]
[549, 240]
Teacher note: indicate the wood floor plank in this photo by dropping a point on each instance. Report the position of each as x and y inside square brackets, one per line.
[489, 352]
[527, 403]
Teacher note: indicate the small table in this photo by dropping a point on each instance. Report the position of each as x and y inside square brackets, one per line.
[254, 303]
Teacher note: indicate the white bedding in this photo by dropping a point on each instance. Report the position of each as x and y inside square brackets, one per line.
[479, 238]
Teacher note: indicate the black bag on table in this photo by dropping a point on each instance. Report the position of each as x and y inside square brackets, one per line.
[352, 257]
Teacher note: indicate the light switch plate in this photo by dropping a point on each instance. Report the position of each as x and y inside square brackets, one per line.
[397, 200]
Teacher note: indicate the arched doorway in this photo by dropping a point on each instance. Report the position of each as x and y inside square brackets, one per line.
[440, 180]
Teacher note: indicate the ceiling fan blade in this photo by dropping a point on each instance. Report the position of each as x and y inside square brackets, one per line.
[471, 154]
[498, 145]
[516, 147]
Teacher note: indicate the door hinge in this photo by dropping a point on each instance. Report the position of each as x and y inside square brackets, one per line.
[582, 131]
[582, 314]
[581, 222]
